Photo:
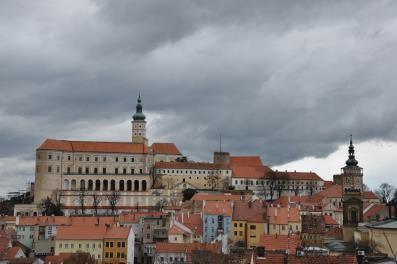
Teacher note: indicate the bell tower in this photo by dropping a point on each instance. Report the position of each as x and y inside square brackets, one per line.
[352, 194]
[139, 124]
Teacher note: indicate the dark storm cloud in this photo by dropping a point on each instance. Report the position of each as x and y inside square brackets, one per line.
[283, 79]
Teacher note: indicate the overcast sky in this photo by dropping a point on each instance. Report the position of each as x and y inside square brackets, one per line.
[287, 80]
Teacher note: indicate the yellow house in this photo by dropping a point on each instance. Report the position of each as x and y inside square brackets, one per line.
[73, 239]
[248, 222]
[106, 244]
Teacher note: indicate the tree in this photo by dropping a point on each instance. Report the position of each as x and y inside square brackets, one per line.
[161, 204]
[96, 200]
[80, 258]
[169, 182]
[82, 199]
[188, 194]
[113, 199]
[52, 205]
[213, 180]
[385, 192]
[271, 176]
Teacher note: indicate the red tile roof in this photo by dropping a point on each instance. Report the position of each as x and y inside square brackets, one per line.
[295, 175]
[370, 195]
[136, 216]
[218, 208]
[304, 199]
[193, 221]
[81, 232]
[250, 211]
[280, 242]
[190, 166]
[279, 215]
[165, 247]
[58, 259]
[251, 172]
[216, 197]
[44, 220]
[335, 191]
[329, 220]
[117, 232]
[246, 160]
[94, 146]
[375, 209]
[165, 148]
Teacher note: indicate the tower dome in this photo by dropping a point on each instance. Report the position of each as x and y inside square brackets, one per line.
[138, 113]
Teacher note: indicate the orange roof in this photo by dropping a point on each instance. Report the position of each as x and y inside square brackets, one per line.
[92, 220]
[58, 259]
[12, 252]
[246, 160]
[44, 220]
[294, 175]
[375, 209]
[252, 172]
[191, 165]
[329, 220]
[165, 148]
[165, 247]
[117, 232]
[216, 197]
[134, 217]
[335, 191]
[81, 232]
[304, 199]
[94, 146]
[218, 208]
[328, 184]
[370, 195]
[250, 211]
[193, 221]
[279, 215]
[280, 242]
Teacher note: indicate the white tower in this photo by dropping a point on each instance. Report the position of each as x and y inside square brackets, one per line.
[139, 124]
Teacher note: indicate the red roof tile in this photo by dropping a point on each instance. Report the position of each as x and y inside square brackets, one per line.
[165, 148]
[329, 220]
[165, 247]
[370, 195]
[216, 197]
[81, 232]
[58, 259]
[335, 191]
[117, 232]
[251, 172]
[246, 160]
[250, 211]
[375, 209]
[218, 208]
[279, 215]
[94, 146]
[193, 221]
[44, 220]
[280, 242]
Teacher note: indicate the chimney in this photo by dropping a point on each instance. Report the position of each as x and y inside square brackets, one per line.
[188, 214]
[275, 212]
[249, 204]
[182, 217]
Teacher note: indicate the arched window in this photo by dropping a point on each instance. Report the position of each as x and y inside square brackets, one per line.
[82, 184]
[73, 185]
[112, 185]
[353, 215]
[121, 185]
[143, 185]
[129, 185]
[65, 185]
[90, 185]
[136, 185]
[105, 185]
[97, 185]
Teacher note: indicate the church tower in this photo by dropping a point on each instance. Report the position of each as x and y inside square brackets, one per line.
[139, 124]
[352, 186]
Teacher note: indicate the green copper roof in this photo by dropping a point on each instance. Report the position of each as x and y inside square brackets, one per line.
[139, 114]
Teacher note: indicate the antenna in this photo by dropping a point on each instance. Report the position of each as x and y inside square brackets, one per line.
[220, 142]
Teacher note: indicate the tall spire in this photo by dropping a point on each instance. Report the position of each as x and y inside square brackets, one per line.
[352, 159]
[139, 114]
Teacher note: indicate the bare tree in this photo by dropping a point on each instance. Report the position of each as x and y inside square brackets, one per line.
[213, 180]
[96, 201]
[82, 199]
[169, 182]
[80, 258]
[52, 205]
[385, 192]
[272, 180]
[113, 199]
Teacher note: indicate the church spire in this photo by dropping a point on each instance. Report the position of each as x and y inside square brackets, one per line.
[352, 159]
[139, 114]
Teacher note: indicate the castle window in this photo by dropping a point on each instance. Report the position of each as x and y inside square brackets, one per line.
[132, 171]
[112, 185]
[104, 159]
[96, 158]
[116, 171]
[58, 169]
[121, 185]
[87, 158]
[49, 156]
[103, 170]
[124, 171]
[95, 170]
[80, 158]
[140, 171]
[125, 159]
[49, 169]
[69, 157]
[87, 170]
[132, 159]
[117, 159]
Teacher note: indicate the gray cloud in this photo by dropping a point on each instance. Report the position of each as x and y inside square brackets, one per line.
[283, 79]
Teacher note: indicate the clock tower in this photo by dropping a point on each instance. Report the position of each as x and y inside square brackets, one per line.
[352, 186]
[139, 124]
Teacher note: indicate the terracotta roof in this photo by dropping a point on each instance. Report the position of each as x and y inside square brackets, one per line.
[165, 148]
[335, 191]
[251, 172]
[295, 175]
[328, 184]
[193, 221]
[304, 199]
[165, 247]
[279, 215]
[329, 220]
[280, 258]
[216, 197]
[280, 242]
[178, 228]
[94, 146]
[246, 160]
[7, 218]
[117, 232]
[91, 220]
[134, 217]
[250, 211]
[81, 232]
[190, 166]
[58, 259]
[370, 195]
[375, 209]
[44, 220]
[12, 252]
[218, 208]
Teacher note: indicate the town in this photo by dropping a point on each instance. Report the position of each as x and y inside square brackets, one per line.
[144, 202]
